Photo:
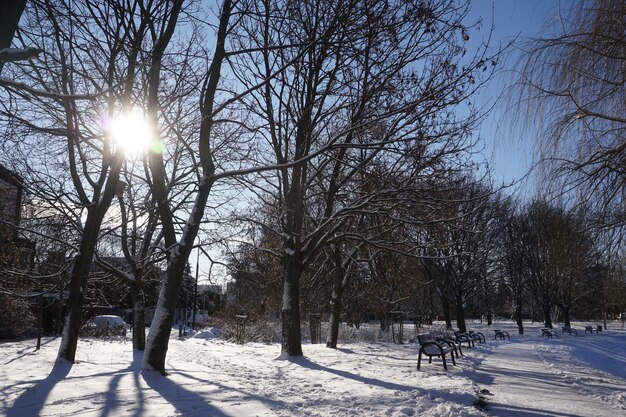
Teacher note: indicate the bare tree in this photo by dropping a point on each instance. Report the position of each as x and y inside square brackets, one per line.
[360, 83]
[573, 90]
[557, 255]
[516, 272]
[461, 247]
[178, 248]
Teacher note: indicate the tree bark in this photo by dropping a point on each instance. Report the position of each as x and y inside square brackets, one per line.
[447, 311]
[291, 339]
[460, 315]
[160, 330]
[340, 283]
[139, 314]
[80, 272]
[565, 309]
[518, 319]
[547, 317]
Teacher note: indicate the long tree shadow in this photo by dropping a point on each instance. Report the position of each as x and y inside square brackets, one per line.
[514, 411]
[277, 404]
[462, 398]
[307, 363]
[186, 402]
[32, 400]
[29, 351]
[111, 401]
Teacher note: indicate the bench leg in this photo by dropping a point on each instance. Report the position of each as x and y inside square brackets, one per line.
[419, 360]
[451, 355]
[443, 358]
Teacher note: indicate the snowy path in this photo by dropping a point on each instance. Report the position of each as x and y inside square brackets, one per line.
[548, 378]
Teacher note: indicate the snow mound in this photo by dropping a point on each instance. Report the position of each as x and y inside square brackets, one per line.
[212, 333]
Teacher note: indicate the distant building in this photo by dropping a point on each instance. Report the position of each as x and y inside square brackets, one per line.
[15, 252]
[11, 190]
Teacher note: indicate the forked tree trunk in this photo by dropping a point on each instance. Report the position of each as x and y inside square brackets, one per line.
[179, 251]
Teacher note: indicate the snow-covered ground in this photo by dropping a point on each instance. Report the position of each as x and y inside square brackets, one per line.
[582, 375]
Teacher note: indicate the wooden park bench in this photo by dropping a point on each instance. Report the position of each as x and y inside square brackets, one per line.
[548, 332]
[590, 329]
[430, 348]
[569, 331]
[501, 334]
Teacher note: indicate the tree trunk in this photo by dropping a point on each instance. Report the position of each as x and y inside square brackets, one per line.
[566, 315]
[78, 280]
[139, 314]
[547, 317]
[335, 312]
[341, 279]
[518, 319]
[447, 311]
[159, 334]
[291, 339]
[335, 308]
[429, 318]
[161, 327]
[460, 315]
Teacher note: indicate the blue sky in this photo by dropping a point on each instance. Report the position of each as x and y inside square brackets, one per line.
[510, 152]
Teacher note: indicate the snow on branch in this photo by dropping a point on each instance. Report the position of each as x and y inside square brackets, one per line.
[19, 54]
[10, 84]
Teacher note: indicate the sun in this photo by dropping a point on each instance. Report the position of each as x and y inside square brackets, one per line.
[131, 131]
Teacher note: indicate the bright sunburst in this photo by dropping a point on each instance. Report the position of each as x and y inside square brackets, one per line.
[131, 131]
